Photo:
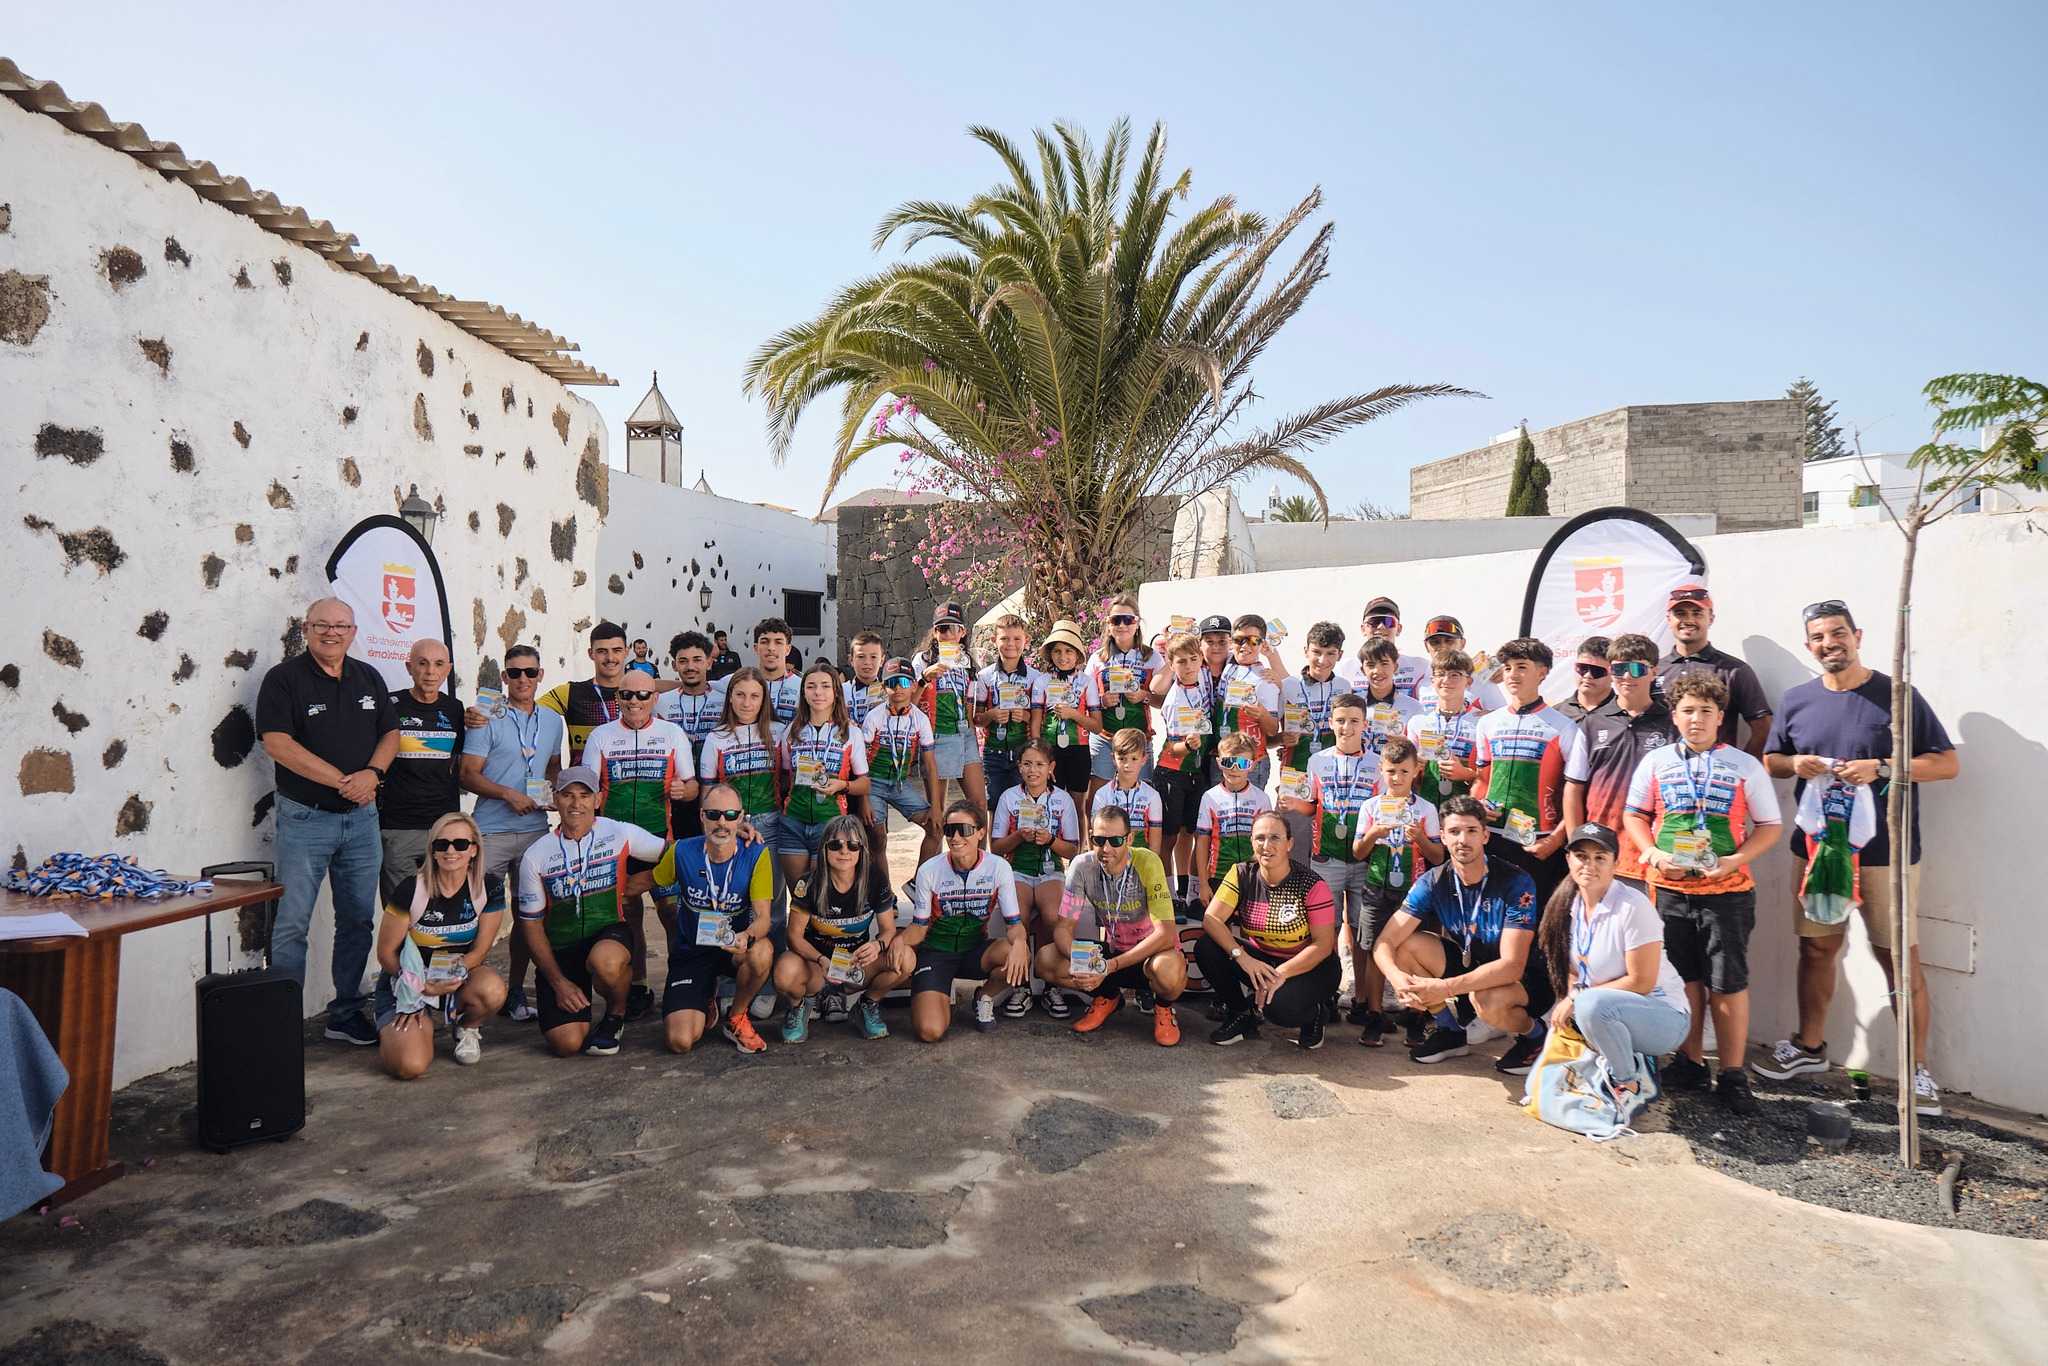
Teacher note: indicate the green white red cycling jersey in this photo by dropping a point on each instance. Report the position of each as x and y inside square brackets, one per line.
[944, 682]
[572, 886]
[896, 742]
[745, 762]
[1723, 791]
[1055, 690]
[1226, 818]
[1142, 804]
[1520, 756]
[955, 906]
[1305, 714]
[1124, 672]
[1243, 685]
[1007, 689]
[635, 767]
[1052, 809]
[1437, 737]
[812, 754]
[1338, 786]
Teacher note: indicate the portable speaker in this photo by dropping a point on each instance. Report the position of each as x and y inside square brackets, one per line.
[252, 1044]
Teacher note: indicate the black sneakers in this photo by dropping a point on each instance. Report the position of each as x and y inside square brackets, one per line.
[1440, 1046]
[1415, 1024]
[1520, 1057]
[604, 1040]
[1236, 1029]
[352, 1029]
[1734, 1093]
[1311, 1036]
[1683, 1074]
[1374, 1035]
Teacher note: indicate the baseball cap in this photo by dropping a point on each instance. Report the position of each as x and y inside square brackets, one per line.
[575, 774]
[948, 614]
[1442, 626]
[1592, 832]
[899, 667]
[1692, 591]
[1212, 624]
[1382, 605]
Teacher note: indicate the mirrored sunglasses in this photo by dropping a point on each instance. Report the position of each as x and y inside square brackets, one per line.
[1235, 761]
[960, 830]
[1629, 668]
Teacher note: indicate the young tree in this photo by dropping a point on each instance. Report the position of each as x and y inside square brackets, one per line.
[1068, 358]
[2015, 412]
[1366, 510]
[1529, 487]
[1823, 439]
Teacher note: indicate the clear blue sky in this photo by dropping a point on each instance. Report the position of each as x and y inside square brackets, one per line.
[1569, 207]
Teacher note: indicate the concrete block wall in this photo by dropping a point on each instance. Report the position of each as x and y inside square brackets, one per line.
[1586, 460]
[1738, 460]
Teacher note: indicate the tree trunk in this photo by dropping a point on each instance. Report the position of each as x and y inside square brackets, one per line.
[1898, 800]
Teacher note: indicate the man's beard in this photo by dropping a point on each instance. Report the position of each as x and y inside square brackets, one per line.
[1834, 664]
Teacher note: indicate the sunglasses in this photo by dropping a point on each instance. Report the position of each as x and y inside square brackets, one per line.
[730, 813]
[521, 673]
[1830, 607]
[1108, 841]
[460, 846]
[1235, 761]
[1247, 640]
[1692, 595]
[899, 681]
[960, 830]
[1123, 619]
[1630, 668]
[842, 847]
[1588, 669]
[635, 695]
[1442, 626]
[1376, 622]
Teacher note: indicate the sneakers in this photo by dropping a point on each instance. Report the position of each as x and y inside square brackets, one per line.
[1415, 1028]
[1359, 1013]
[1145, 1000]
[1374, 1035]
[740, 1029]
[832, 1006]
[1788, 1058]
[1099, 1011]
[1236, 1029]
[1520, 1057]
[1733, 1091]
[1685, 1074]
[1165, 1027]
[604, 1040]
[796, 1025]
[355, 1029]
[870, 1020]
[1310, 1037]
[1441, 1045]
[762, 1006]
[517, 1007]
[1057, 1005]
[985, 1010]
[469, 1045]
[639, 1001]
[1016, 1005]
[1926, 1095]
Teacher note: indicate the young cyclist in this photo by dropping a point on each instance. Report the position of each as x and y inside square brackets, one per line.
[824, 761]
[1520, 756]
[1004, 707]
[1249, 697]
[1069, 706]
[1687, 807]
[1123, 670]
[1223, 830]
[1446, 730]
[902, 772]
[771, 650]
[1036, 828]
[1396, 841]
[864, 691]
[1448, 633]
[842, 933]
[1129, 792]
[1187, 716]
[1305, 699]
[1382, 621]
[945, 673]
[1341, 779]
[1388, 706]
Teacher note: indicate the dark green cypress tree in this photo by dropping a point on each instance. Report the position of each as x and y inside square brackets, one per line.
[1823, 439]
[1529, 488]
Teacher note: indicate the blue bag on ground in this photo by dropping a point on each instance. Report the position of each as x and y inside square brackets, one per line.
[1571, 1088]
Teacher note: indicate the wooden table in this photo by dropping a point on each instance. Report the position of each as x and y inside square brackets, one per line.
[73, 985]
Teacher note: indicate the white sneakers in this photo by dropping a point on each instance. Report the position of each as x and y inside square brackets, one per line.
[1926, 1095]
[469, 1045]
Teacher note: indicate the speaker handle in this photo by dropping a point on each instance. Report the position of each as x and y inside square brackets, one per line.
[266, 871]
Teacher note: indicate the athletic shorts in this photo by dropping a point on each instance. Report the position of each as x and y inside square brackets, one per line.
[1876, 885]
[1071, 769]
[502, 852]
[1707, 937]
[936, 968]
[693, 977]
[1535, 975]
[574, 961]
[1131, 978]
[956, 753]
[1346, 882]
[384, 1000]
[1381, 904]
[1036, 879]
[1181, 797]
[905, 794]
[799, 837]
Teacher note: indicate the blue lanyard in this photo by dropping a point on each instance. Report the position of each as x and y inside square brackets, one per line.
[1582, 946]
[1469, 918]
[1699, 794]
[721, 893]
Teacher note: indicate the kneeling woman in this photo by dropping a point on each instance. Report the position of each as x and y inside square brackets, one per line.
[842, 930]
[440, 911]
[1272, 929]
[1604, 943]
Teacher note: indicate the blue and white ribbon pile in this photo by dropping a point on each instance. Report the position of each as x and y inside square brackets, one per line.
[88, 877]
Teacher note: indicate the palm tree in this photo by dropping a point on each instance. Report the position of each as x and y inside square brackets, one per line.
[1296, 507]
[1068, 357]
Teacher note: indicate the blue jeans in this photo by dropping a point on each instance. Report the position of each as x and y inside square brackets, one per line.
[343, 849]
[1620, 1024]
[998, 773]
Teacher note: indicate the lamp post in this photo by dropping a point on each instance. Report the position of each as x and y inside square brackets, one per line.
[419, 514]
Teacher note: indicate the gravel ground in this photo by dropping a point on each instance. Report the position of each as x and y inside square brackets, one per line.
[2003, 1187]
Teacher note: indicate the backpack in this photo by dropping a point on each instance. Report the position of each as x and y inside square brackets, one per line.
[1571, 1088]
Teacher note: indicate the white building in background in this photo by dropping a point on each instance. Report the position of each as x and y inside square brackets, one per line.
[654, 439]
[1849, 490]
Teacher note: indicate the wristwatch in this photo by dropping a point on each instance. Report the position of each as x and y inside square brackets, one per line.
[378, 771]
[1237, 952]
[1884, 769]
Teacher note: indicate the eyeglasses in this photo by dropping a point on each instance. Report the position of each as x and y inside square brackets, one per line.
[1586, 668]
[730, 813]
[534, 672]
[635, 695]
[331, 627]
[460, 846]
[1235, 761]
[1451, 673]
[960, 830]
[842, 847]
[1629, 668]
[1108, 841]
[899, 681]
[1380, 622]
[1247, 640]
[1123, 619]
[1830, 607]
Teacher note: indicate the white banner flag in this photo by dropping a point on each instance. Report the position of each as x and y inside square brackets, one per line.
[1607, 573]
[388, 576]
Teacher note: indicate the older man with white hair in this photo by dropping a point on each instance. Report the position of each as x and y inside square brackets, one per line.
[327, 724]
[425, 780]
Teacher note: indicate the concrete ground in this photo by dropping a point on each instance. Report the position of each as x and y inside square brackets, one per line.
[1028, 1196]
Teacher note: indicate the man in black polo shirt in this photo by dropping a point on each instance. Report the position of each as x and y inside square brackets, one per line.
[1690, 614]
[1613, 738]
[327, 724]
[726, 662]
[423, 785]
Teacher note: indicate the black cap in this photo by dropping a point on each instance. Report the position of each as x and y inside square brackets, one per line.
[1213, 623]
[899, 667]
[948, 614]
[1382, 605]
[1592, 832]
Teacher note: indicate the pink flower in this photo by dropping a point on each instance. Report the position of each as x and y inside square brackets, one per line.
[930, 365]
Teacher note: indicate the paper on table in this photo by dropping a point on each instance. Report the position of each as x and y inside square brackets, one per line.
[42, 925]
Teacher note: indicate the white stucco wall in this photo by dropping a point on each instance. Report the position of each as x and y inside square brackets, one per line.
[1977, 597]
[683, 540]
[321, 374]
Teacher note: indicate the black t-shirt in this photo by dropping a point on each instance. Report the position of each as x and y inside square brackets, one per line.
[421, 787]
[339, 719]
[848, 917]
[723, 663]
[1857, 724]
[1745, 693]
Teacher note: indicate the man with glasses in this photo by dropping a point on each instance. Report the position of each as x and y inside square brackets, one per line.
[510, 762]
[1835, 735]
[1690, 614]
[1613, 740]
[714, 893]
[1593, 686]
[327, 724]
[955, 903]
[645, 766]
[1382, 621]
[584, 705]
[1116, 931]
[1440, 634]
[423, 784]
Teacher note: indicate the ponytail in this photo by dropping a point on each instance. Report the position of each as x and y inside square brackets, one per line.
[1554, 935]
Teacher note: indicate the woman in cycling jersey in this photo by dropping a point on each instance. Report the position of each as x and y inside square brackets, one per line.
[842, 933]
